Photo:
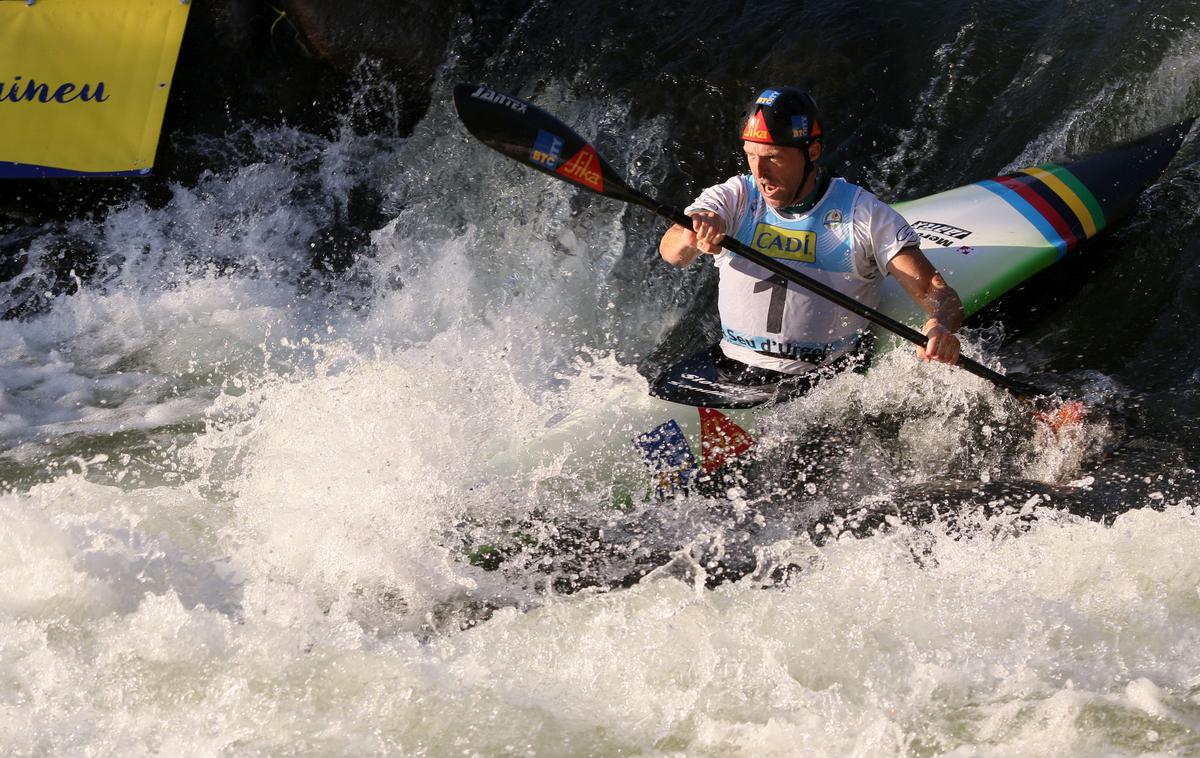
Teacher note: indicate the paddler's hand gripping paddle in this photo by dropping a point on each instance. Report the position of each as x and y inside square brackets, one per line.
[528, 134]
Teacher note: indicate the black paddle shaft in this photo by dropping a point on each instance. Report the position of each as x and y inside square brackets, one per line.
[526, 133]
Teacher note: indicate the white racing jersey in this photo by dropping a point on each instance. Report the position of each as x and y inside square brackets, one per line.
[845, 241]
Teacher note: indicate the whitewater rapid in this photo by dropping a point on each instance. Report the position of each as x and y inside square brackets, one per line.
[235, 489]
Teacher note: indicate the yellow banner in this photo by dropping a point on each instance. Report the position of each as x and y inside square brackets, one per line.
[84, 83]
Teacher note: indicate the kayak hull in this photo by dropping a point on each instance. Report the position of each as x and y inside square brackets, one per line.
[988, 237]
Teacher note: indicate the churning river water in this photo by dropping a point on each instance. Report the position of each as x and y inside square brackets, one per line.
[243, 457]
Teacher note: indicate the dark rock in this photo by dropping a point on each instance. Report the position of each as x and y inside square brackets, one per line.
[301, 63]
[408, 35]
[237, 64]
[715, 541]
[65, 264]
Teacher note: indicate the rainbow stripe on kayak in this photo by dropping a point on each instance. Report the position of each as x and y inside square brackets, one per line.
[1051, 198]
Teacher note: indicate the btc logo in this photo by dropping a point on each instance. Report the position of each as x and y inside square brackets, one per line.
[547, 149]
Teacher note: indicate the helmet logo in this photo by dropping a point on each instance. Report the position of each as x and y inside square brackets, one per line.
[756, 129]
[768, 97]
[800, 127]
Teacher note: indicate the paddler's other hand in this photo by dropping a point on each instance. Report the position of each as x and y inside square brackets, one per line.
[942, 343]
[709, 230]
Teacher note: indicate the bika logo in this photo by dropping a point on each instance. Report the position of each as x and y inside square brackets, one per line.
[756, 129]
[789, 244]
[584, 168]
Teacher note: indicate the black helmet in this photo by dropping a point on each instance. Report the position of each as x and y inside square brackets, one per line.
[785, 116]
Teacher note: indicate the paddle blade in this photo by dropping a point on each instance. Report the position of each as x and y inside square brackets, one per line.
[666, 452]
[1065, 417]
[721, 440]
[528, 134]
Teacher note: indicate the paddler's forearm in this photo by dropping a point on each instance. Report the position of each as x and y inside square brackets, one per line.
[945, 312]
[927, 288]
[678, 246]
[942, 304]
[937, 298]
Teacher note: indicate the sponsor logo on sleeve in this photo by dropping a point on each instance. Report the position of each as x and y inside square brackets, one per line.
[490, 95]
[907, 235]
[547, 149]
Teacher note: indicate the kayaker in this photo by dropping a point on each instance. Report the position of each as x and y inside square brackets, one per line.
[823, 226]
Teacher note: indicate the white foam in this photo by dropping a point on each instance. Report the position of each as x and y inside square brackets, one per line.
[296, 583]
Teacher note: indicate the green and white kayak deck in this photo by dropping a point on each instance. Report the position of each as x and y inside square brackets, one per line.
[988, 237]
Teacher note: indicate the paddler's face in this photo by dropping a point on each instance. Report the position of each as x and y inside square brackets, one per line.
[778, 171]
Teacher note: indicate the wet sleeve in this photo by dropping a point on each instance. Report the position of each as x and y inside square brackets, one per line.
[879, 233]
[727, 200]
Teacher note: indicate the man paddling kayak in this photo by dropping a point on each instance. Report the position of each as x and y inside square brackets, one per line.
[815, 223]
